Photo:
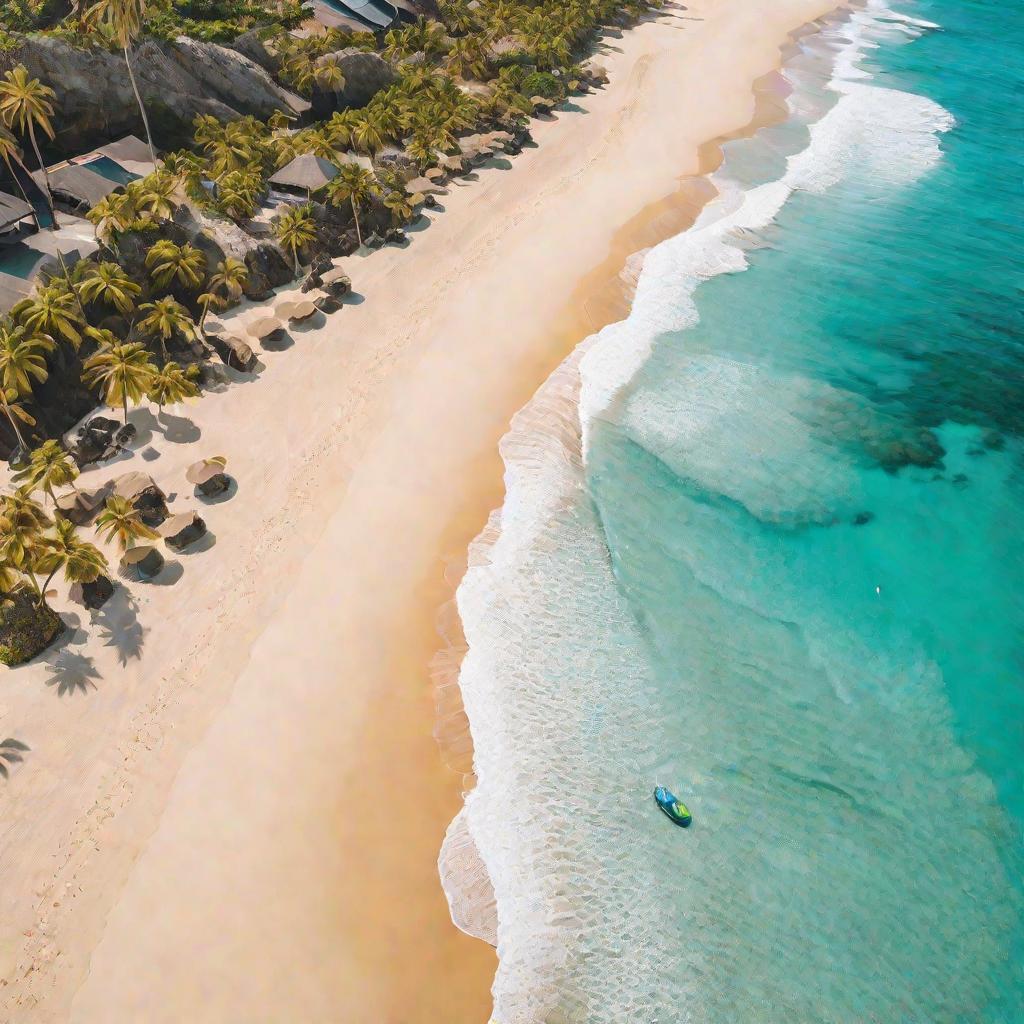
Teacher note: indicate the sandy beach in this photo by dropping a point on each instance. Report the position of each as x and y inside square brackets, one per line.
[232, 803]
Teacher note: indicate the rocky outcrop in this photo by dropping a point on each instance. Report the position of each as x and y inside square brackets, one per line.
[365, 75]
[177, 80]
[218, 237]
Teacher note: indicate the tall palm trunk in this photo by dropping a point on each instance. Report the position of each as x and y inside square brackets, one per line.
[13, 422]
[46, 173]
[142, 106]
[21, 189]
[355, 214]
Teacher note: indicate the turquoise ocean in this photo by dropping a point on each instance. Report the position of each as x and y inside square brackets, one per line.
[762, 544]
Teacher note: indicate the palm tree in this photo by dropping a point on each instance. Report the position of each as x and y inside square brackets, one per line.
[206, 300]
[121, 521]
[123, 20]
[22, 521]
[10, 153]
[169, 262]
[329, 75]
[368, 134]
[54, 312]
[163, 318]
[467, 59]
[401, 209]
[156, 193]
[48, 467]
[121, 372]
[111, 215]
[294, 229]
[81, 561]
[21, 362]
[107, 282]
[28, 104]
[354, 184]
[170, 386]
[341, 127]
[230, 277]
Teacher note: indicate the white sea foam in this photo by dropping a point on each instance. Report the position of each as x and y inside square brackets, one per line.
[583, 931]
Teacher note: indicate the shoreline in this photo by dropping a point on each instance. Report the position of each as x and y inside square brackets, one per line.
[304, 696]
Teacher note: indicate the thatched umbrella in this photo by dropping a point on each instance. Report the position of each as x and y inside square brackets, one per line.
[141, 563]
[424, 185]
[182, 530]
[208, 475]
[265, 328]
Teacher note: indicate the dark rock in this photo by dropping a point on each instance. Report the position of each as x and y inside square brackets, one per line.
[862, 518]
[217, 484]
[126, 434]
[26, 630]
[327, 304]
[960, 480]
[151, 505]
[234, 352]
[92, 595]
[993, 440]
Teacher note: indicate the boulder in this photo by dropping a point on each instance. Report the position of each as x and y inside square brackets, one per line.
[218, 237]
[250, 45]
[216, 484]
[92, 595]
[95, 441]
[178, 79]
[365, 75]
[25, 630]
[327, 304]
[593, 73]
[234, 352]
[336, 283]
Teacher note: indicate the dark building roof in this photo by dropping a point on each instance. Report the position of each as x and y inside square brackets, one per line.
[12, 209]
[78, 183]
[129, 149]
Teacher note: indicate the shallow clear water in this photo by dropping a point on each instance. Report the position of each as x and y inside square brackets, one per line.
[785, 580]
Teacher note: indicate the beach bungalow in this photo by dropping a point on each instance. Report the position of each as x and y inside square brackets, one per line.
[305, 174]
[16, 217]
[357, 15]
[80, 183]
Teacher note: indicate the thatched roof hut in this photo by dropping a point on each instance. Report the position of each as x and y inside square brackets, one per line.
[307, 172]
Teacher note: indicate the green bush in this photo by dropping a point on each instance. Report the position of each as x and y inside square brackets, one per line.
[541, 83]
[25, 630]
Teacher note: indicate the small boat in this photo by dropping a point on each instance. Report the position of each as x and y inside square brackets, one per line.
[672, 807]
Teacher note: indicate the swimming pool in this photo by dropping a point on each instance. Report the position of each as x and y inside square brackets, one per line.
[110, 169]
[19, 260]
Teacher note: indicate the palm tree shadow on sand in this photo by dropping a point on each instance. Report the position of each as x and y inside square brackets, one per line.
[11, 751]
[119, 626]
[72, 672]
